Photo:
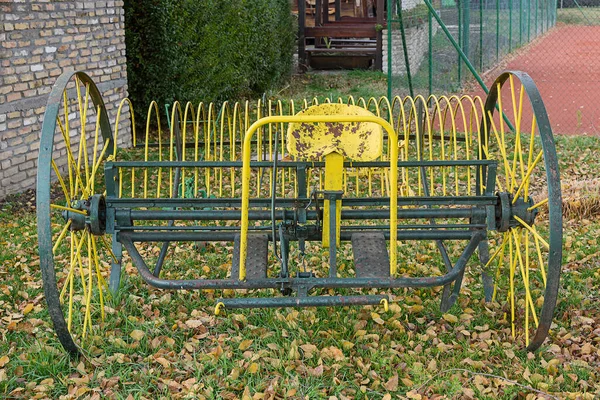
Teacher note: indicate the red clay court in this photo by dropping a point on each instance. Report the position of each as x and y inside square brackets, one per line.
[565, 65]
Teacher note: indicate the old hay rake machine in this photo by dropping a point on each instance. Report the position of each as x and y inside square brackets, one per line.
[290, 190]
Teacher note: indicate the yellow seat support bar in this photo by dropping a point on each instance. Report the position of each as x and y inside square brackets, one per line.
[334, 165]
[246, 158]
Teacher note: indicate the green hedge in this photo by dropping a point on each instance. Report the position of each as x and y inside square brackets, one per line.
[151, 50]
[209, 50]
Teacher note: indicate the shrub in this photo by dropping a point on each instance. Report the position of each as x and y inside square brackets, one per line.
[210, 50]
[235, 48]
[151, 52]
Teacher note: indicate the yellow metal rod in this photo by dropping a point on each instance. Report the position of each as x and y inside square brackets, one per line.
[246, 154]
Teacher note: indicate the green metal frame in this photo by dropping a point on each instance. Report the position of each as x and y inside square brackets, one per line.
[299, 219]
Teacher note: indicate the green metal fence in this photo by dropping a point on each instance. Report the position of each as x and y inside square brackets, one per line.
[436, 32]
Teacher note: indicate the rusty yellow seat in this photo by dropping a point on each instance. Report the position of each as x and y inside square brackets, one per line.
[334, 141]
[356, 141]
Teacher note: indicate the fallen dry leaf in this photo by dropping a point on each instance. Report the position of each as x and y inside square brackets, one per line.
[137, 334]
[253, 368]
[392, 384]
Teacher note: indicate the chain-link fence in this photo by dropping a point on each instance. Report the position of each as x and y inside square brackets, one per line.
[444, 46]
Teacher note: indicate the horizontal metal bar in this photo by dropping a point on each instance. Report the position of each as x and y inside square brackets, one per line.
[286, 202]
[308, 301]
[126, 239]
[215, 228]
[255, 215]
[185, 236]
[295, 164]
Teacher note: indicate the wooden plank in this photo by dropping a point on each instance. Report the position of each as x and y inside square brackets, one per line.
[356, 20]
[302, 60]
[345, 31]
[318, 13]
[380, 22]
[353, 50]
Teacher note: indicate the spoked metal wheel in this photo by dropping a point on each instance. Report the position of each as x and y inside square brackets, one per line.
[76, 140]
[524, 253]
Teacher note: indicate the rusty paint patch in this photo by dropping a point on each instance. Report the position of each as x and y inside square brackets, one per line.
[358, 141]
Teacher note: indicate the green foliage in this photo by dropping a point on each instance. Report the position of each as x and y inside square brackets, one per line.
[235, 48]
[151, 52]
[212, 50]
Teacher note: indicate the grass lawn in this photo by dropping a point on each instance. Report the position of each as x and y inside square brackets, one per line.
[578, 16]
[160, 344]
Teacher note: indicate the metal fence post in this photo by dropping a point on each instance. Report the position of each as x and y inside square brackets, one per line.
[430, 66]
[510, 24]
[389, 49]
[498, 30]
[480, 35]
[459, 33]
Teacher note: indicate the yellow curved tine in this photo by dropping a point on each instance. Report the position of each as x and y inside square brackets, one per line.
[175, 108]
[200, 117]
[188, 112]
[116, 136]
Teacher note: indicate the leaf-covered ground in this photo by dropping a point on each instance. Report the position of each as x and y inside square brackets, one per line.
[159, 344]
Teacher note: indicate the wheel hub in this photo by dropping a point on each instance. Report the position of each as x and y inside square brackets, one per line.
[94, 219]
[508, 208]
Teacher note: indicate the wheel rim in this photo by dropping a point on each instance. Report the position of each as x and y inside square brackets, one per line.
[70, 254]
[525, 253]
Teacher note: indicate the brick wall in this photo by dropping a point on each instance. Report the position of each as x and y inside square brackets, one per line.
[417, 43]
[39, 39]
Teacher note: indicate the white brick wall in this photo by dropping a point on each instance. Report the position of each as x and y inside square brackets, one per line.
[417, 43]
[39, 40]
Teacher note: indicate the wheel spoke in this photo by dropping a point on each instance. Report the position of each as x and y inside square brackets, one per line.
[501, 249]
[528, 175]
[533, 231]
[540, 259]
[88, 297]
[75, 254]
[537, 205]
[511, 294]
[61, 182]
[526, 166]
[69, 209]
[95, 153]
[508, 172]
[99, 278]
[74, 181]
[76, 157]
[83, 120]
[108, 248]
[531, 151]
[518, 114]
[516, 236]
[61, 236]
[70, 283]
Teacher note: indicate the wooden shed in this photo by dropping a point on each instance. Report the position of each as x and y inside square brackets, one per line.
[340, 34]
